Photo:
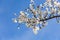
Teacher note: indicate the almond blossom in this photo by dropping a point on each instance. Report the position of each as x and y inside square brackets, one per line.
[40, 14]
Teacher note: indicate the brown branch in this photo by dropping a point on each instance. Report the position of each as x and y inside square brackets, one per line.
[50, 18]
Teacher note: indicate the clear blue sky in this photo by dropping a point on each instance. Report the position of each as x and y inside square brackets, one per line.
[9, 31]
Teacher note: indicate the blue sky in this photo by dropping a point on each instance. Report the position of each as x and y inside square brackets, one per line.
[9, 31]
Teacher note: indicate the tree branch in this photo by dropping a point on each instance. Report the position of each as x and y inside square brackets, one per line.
[50, 18]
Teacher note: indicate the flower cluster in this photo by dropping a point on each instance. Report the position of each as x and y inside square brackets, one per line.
[39, 14]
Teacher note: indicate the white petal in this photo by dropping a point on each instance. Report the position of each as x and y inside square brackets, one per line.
[50, 5]
[58, 4]
[41, 5]
[48, 0]
[15, 20]
[31, 6]
[41, 22]
[58, 12]
[19, 21]
[55, 3]
[22, 13]
[35, 30]
[32, 1]
[37, 22]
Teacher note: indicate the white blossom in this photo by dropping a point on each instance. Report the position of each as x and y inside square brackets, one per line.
[26, 14]
[41, 22]
[58, 12]
[47, 9]
[40, 14]
[48, 0]
[35, 30]
[22, 13]
[53, 10]
[14, 20]
[31, 6]
[41, 5]
[50, 5]
[32, 1]
[58, 4]
[55, 3]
